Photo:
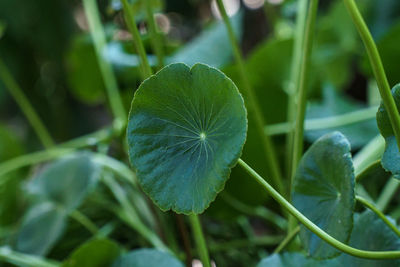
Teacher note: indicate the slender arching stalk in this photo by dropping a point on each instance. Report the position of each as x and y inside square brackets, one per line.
[377, 67]
[85, 221]
[200, 240]
[382, 216]
[26, 107]
[137, 41]
[253, 105]
[154, 35]
[99, 41]
[314, 228]
[295, 69]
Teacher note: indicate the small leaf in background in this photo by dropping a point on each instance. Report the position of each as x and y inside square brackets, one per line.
[94, 253]
[391, 156]
[186, 130]
[41, 227]
[371, 233]
[211, 47]
[323, 191]
[66, 181]
[83, 72]
[334, 104]
[295, 259]
[147, 258]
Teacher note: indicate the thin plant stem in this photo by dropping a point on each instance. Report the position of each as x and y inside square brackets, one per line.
[377, 67]
[302, 87]
[313, 227]
[294, 77]
[199, 239]
[364, 173]
[85, 221]
[387, 194]
[287, 240]
[137, 41]
[301, 96]
[253, 105]
[21, 259]
[382, 216]
[26, 107]
[100, 43]
[325, 122]
[156, 41]
[368, 154]
[131, 215]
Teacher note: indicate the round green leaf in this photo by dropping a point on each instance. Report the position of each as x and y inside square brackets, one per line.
[186, 131]
[94, 253]
[147, 258]
[324, 192]
[391, 156]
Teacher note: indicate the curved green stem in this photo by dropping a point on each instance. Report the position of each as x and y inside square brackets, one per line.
[100, 43]
[137, 41]
[198, 237]
[371, 206]
[377, 67]
[326, 122]
[26, 107]
[368, 154]
[156, 41]
[314, 228]
[287, 240]
[253, 106]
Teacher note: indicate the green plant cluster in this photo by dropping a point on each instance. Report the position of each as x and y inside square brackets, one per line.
[288, 156]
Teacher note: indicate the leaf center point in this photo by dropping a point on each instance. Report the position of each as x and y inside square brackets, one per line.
[202, 136]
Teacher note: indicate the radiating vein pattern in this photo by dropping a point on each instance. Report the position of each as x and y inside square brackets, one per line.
[186, 130]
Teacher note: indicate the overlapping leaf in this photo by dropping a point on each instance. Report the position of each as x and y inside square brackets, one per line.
[323, 191]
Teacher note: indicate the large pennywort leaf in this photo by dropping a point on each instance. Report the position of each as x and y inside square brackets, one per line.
[186, 131]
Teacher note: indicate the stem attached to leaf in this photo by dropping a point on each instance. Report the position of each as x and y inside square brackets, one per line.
[382, 216]
[253, 104]
[110, 82]
[377, 67]
[314, 228]
[200, 240]
[26, 107]
[287, 240]
[137, 41]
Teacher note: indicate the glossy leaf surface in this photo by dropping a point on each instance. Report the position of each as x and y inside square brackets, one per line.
[147, 258]
[391, 156]
[186, 131]
[324, 192]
